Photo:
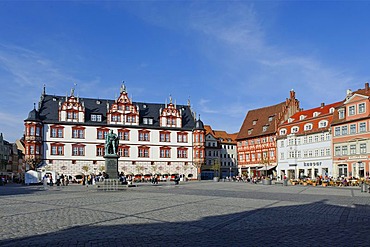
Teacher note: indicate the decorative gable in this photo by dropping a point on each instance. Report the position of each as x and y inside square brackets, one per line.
[72, 110]
[123, 111]
[170, 116]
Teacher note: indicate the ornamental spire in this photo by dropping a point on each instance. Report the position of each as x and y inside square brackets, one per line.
[123, 87]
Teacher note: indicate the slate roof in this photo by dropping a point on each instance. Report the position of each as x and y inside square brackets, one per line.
[261, 117]
[48, 112]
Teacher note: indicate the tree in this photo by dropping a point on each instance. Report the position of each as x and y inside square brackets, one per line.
[216, 167]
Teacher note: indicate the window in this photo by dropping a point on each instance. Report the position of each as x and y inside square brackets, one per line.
[144, 135]
[250, 131]
[344, 130]
[100, 151]
[344, 150]
[310, 139]
[361, 108]
[96, 118]
[282, 144]
[342, 170]
[115, 118]
[362, 127]
[124, 135]
[254, 122]
[352, 129]
[56, 132]
[78, 133]
[295, 129]
[182, 153]
[283, 132]
[183, 137]
[351, 110]
[363, 148]
[78, 150]
[32, 130]
[316, 138]
[164, 136]
[143, 152]
[57, 149]
[337, 151]
[301, 117]
[341, 113]
[148, 121]
[165, 152]
[337, 131]
[352, 149]
[102, 133]
[323, 124]
[264, 128]
[327, 151]
[123, 151]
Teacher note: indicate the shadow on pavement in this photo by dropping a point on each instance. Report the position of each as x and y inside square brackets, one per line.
[312, 224]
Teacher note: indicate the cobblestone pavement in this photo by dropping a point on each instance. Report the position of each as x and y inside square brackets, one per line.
[189, 214]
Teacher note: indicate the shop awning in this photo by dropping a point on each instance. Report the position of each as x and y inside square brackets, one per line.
[266, 168]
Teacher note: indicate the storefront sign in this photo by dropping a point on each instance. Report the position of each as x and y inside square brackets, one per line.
[312, 163]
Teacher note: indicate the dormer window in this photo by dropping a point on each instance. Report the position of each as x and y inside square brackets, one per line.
[283, 132]
[302, 117]
[254, 122]
[290, 120]
[331, 110]
[351, 110]
[264, 128]
[270, 118]
[308, 127]
[148, 121]
[341, 113]
[361, 108]
[295, 129]
[315, 114]
[96, 118]
[323, 124]
[250, 131]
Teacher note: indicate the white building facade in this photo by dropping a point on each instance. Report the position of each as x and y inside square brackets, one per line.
[304, 144]
[67, 135]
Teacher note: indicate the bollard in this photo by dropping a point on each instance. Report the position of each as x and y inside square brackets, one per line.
[363, 187]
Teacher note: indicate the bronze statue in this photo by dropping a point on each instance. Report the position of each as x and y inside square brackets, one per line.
[111, 143]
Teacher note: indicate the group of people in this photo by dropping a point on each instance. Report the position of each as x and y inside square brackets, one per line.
[61, 180]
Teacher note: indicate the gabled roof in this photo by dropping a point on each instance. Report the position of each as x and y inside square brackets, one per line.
[221, 135]
[257, 119]
[49, 111]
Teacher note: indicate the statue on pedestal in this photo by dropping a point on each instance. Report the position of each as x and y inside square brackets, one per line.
[111, 143]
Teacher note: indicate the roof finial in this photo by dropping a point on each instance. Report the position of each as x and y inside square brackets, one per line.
[189, 101]
[34, 106]
[170, 99]
[123, 87]
[44, 90]
[73, 89]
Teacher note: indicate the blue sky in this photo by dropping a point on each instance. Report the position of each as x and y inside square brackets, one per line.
[227, 56]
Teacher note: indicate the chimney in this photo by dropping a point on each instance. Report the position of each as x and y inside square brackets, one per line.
[322, 105]
[367, 86]
[292, 94]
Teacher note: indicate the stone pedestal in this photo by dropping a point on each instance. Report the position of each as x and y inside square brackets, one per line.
[111, 165]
